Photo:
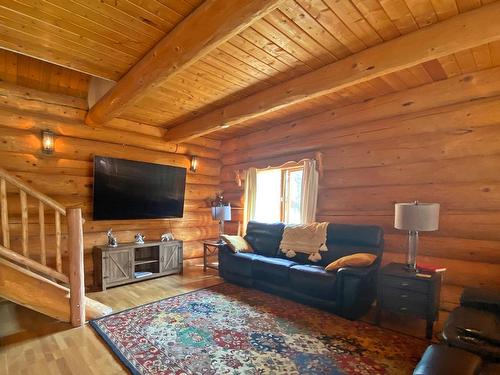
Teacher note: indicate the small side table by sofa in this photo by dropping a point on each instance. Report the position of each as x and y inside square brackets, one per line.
[404, 292]
[210, 248]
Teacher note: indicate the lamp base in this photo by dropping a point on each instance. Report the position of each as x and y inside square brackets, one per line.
[410, 268]
[411, 262]
[221, 232]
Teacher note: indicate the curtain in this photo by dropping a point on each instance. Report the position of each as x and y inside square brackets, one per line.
[250, 196]
[309, 196]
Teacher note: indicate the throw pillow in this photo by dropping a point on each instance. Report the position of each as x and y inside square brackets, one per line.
[237, 244]
[354, 260]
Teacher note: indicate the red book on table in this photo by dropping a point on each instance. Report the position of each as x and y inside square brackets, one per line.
[429, 268]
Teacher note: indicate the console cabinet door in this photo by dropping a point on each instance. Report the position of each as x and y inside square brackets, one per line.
[118, 266]
[170, 257]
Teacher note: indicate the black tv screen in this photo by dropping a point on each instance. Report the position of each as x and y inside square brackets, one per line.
[126, 189]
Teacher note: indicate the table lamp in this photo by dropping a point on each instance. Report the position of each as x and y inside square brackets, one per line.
[221, 213]
[415, 217]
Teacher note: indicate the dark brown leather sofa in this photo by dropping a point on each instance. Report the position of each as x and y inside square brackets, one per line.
[472, 338]
[348, 292]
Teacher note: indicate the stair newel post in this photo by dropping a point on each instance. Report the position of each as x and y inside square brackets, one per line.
[76, 271]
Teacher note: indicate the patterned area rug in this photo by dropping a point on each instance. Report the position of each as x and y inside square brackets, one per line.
[227, 329]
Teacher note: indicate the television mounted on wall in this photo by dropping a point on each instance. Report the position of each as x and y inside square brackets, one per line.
[128, 190]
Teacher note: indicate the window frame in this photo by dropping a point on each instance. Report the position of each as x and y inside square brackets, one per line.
[285, 190]
[285, 186]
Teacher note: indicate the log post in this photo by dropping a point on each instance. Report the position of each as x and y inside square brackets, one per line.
[76, 272]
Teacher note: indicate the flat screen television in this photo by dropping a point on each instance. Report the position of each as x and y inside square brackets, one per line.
[126, 189]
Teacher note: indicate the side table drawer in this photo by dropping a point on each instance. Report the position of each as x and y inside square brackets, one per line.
[402, 301]
[406, 284]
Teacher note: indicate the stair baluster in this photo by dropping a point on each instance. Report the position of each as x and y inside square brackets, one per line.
[41, 223]
[4, 213]
[74, 220]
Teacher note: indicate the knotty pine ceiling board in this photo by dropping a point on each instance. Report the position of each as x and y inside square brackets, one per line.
[103, 38]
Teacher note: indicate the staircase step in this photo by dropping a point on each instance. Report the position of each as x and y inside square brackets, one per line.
[31, 290]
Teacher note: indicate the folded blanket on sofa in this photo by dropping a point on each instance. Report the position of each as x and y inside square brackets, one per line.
[304, 238]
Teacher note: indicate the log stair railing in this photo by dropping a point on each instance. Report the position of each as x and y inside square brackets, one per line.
[49, 262]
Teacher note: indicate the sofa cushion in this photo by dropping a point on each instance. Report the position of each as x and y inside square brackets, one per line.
[441, 359]
[313, 281]
[354, 260]
[237, 244]
[264, 238]
[273, 270]
[337, 251]
[482, 299]
[344, 240]
[353, 234]
[238, 263]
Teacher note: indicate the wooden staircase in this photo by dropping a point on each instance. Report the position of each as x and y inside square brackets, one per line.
[36, 279]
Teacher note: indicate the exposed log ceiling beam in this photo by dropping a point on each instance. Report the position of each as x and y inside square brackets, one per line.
[461, 32]
[210, 25]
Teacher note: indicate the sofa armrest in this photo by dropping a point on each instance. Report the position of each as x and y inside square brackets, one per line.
[359, 272]
[356, 290]
[481, 299]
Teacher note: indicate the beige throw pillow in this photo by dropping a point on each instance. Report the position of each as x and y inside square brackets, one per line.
[354, 260]
[237, 244]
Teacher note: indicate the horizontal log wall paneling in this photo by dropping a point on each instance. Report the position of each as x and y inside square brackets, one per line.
[67, 174]
[436, 143]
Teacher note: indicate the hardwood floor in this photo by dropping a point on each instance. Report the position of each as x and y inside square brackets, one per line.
[31, 343]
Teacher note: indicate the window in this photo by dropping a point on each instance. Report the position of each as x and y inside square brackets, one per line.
[278, 195]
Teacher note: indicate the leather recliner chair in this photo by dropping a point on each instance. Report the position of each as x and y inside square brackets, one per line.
[475, 325]
[472, 334]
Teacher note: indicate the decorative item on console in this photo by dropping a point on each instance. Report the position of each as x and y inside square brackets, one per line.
[218, 201]
[165, 237]
[139, 238]
[112, 242]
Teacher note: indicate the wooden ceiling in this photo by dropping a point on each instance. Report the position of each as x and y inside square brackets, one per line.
[32, 73]
[105, 38]
[483, 57]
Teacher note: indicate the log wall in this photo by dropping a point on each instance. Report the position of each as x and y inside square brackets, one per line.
[435, 143]
[67, 174]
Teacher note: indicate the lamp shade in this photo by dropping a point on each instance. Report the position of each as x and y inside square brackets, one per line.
[221, 212]
[417, 216]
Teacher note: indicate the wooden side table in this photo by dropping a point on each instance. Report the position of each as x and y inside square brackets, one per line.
[210, 248]
[404, 292]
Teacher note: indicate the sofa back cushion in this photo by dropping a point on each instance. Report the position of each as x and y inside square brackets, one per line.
[264, 238]
[342, 240]
[346, 239]
[355, 234]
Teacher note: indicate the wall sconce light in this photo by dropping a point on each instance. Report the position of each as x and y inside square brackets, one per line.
[47, 142]
[194, 163]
